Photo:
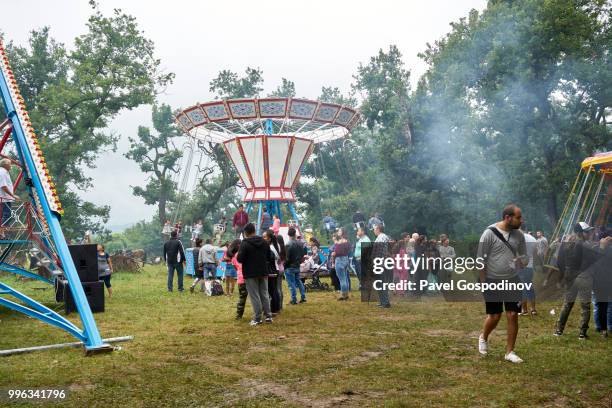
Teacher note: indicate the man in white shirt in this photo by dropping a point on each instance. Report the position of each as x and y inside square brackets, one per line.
[6, 190]
[502, 246]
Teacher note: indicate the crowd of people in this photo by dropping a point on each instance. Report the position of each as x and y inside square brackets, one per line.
[258, 264]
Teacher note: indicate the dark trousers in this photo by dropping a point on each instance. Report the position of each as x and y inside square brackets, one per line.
[275, 300]
[602, 318]
[357, 265]
[242, 298]
[383, 294]
[279, 287]
[179, 273]
[580, 288]
[6, 212]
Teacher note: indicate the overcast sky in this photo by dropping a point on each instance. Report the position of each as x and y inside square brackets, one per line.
[315, 43]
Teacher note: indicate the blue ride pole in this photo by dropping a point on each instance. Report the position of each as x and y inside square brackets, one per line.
[259, 218]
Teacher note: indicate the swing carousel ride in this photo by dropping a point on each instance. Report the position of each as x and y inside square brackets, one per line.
[589, 201]
[268, 141]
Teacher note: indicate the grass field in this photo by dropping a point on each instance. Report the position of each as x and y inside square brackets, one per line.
[189, 352]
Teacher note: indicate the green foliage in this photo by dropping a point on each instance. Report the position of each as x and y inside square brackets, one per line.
[520, 92]
[73, 94]
[512, 101]
[285, 90]
[333, 95]
[158, 156]
[229, 85]
[142, 235]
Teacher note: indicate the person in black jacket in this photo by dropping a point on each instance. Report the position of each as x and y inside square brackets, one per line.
[576, 258]
[295, 255]
[198, 271]
[273, 262]
[174, 256]
[254, 255]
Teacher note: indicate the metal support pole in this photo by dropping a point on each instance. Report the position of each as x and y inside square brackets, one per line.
[269, 128]
[278, 210]
[293, 213]
[259, 218]
[4, 353]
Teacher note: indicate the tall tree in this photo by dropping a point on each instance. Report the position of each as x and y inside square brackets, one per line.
[73, 94]
[285, 90]
[532, 78]
[158, 156]
[229, 84]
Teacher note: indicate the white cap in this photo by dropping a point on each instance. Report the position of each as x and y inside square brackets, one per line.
[583, 227]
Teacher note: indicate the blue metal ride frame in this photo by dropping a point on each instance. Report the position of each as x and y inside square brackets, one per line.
[294, 214]
[258, 225]
[89, 335]
[20, 271]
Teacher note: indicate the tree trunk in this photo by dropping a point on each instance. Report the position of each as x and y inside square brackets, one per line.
[161, 209]
[551, 209]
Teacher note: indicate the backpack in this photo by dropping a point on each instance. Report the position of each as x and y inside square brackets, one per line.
[217, 288]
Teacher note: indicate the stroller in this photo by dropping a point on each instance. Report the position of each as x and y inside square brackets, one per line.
[314, 271]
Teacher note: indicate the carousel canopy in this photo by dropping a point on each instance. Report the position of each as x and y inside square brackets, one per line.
[268, 140]
[220, 121]
[600, 162]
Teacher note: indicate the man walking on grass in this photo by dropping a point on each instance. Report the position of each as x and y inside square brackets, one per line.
[174, 255]
[254, 255]
[502, 245]
[295, 254]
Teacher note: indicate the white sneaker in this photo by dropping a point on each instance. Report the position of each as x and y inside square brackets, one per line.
[513, 358]
[483, 346]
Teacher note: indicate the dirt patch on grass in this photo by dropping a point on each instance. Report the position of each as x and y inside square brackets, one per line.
[364, 357]
[442, 333]
[256, 388]
[81, 387]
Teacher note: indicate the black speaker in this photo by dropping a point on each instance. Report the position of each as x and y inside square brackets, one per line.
[61, 285]
[85, 258]
[94, 292]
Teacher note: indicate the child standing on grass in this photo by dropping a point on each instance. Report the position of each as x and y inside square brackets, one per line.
[230, 272]
[232, 253]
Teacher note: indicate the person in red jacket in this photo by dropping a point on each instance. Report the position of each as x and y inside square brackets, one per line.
[241, 218]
